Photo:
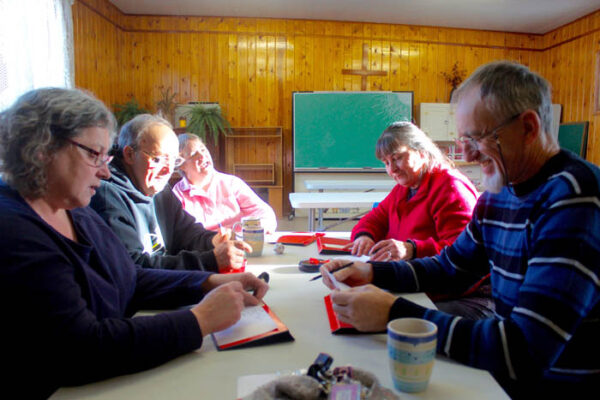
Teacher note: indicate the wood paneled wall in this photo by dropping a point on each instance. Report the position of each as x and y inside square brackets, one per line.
[252, 66]
[569, 62]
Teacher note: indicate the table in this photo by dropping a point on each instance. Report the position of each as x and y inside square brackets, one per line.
[208, 374]
[365, 185]
[322, 200]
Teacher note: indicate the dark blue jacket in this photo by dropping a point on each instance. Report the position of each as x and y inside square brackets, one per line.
[67, 306]
[135, 218]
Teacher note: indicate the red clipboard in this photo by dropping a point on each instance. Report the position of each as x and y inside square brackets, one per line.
[280, 334]
[296, 240]
[332, 245]
[335, 324]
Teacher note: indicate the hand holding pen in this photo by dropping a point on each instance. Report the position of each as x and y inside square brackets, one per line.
[223, 235]
[351, 273]
[332, 271]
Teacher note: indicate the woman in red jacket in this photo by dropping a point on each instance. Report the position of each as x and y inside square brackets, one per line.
[426, 211]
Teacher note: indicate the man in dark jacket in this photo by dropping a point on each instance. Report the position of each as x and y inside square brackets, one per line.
[150, 221]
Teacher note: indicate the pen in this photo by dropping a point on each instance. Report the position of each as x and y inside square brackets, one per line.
[335, 270]
[223, 232]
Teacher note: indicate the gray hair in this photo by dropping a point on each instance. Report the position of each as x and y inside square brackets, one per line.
[508, 89]
[185, 138]
[37, 125]
[132, 132]
[407, 134]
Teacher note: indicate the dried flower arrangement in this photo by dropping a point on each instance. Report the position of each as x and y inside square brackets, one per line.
[455, 77]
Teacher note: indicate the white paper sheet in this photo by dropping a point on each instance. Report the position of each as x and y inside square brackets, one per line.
[254, 321]
[338, 285]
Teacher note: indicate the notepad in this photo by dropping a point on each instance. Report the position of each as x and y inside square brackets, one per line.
[258, 325]
[335, 324]
[327, 245]
[296, 240]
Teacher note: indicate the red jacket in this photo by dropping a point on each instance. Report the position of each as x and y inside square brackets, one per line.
[433, 218]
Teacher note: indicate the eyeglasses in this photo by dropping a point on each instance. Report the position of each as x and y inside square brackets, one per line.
[160, 161]
[98, 159]
[475, 140]
[196, 154]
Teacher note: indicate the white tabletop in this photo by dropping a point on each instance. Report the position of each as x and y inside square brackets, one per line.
[366, 184]
[209, 374]
[335, 199]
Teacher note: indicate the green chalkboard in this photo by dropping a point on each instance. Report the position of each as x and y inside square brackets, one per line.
[338, 130]
[573, 136]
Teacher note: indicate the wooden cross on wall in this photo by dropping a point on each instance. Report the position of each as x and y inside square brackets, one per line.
[363, 71]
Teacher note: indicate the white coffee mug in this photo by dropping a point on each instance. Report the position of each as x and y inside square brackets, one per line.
[411, 344]
[252, 233]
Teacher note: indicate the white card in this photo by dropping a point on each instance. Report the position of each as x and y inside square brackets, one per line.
[338, 285]
[254, 321]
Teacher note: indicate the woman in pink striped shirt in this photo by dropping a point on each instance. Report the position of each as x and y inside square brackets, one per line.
[213, 197]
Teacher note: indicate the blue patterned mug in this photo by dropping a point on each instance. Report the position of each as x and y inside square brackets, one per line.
[411, 344]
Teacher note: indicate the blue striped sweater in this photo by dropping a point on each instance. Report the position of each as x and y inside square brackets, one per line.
[541, 242]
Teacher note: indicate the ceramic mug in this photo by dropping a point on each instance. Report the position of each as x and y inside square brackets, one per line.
[411, 344]
[252, 233]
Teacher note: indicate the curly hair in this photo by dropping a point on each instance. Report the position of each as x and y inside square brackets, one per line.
[37, 125]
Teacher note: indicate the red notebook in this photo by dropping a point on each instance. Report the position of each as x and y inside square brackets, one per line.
[258, 325]
[332, 245]
[338, 326]
[334, 323]
[296, 240]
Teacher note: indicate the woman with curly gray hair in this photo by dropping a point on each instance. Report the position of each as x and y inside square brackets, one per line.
[69, 283]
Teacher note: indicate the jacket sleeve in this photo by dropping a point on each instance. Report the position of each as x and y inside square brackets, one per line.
[375, 223]
[117, 213]
[451, 208]
[50, 319]
[158, 289]
[253, 206]
[181, 232]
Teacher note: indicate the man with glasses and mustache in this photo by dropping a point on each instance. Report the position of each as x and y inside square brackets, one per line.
[535, 229]
[150, 221]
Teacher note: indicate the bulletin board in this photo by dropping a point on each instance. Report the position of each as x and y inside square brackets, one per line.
[573, 136]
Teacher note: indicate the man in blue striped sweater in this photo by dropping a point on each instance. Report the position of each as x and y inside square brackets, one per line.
[536, 229]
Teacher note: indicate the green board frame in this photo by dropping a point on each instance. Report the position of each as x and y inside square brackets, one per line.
[573, 136]
[337, 131]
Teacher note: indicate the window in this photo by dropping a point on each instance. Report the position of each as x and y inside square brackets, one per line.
[36, 46]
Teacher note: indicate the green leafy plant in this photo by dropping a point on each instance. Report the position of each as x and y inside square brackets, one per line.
[166, 105]
[207, 121]
[125, 112]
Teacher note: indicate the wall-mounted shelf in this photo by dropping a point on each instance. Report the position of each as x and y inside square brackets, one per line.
[256, 155]
[256, 174]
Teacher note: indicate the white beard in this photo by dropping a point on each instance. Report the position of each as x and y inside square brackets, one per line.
[493, 183]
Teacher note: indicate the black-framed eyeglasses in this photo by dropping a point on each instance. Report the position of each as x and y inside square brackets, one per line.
[98, 159]
[163, 160]
[475, 140]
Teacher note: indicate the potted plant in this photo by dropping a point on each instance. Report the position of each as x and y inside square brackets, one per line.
[208, 122]
[125, 112]
[166, 105]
